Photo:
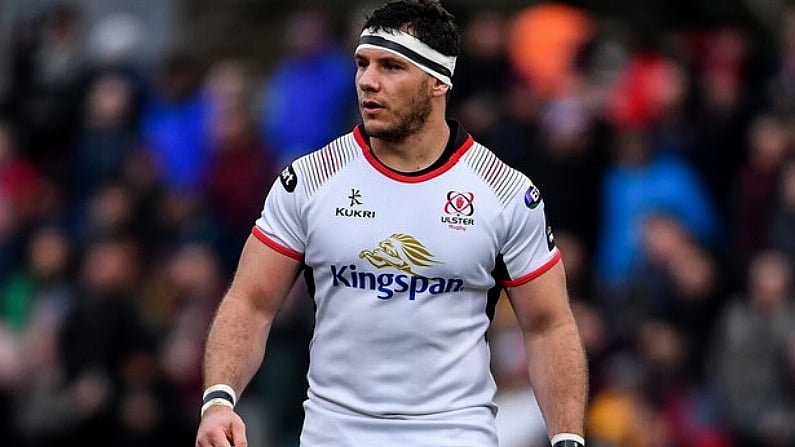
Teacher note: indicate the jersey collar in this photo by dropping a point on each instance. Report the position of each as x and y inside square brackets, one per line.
[460, 141]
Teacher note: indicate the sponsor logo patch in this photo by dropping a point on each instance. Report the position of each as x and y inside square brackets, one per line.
[355, 200]
[532, 197]
[288, 178]
[355, 197]
[404, 254]
[400, 251]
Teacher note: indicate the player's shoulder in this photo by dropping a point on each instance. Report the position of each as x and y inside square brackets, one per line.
[502, 179]
[317, 167]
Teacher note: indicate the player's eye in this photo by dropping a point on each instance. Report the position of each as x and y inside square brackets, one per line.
[361, 63]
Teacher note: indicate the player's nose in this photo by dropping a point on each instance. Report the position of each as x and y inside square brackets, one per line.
[367, 79]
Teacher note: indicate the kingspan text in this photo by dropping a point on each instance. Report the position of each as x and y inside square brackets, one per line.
[389, 284]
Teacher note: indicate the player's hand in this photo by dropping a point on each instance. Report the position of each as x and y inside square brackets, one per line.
[221, 427]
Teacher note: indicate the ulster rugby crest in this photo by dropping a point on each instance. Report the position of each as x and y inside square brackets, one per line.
[458, 210]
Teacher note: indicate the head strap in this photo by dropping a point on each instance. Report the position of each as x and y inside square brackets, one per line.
[411, 49]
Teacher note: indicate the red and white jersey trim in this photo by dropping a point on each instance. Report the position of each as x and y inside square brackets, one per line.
[259, 234]
[535, 273]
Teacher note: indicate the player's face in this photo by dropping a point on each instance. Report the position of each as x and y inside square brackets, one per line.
[394, 95]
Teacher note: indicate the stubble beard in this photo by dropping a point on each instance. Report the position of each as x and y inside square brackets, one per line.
[409, 123]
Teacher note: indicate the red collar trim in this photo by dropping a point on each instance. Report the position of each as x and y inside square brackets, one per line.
[380, 167]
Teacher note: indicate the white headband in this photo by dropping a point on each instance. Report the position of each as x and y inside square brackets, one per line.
[411, 49]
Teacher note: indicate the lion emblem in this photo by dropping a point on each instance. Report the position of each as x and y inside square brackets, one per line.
[400, 251]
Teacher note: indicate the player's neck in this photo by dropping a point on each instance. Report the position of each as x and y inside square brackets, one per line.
[417, 151]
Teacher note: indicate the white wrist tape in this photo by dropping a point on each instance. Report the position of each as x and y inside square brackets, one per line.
[567, 437]
[223, 388]
[214, 402]
[219, 394]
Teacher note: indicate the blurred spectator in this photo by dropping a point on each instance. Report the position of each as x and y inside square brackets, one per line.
[140, 179]
[49, 69]
[241, 167]
[545, 44]
[33, 303]
[179, 218]
[109, 212]
[723, 107]
[25, 197]
[755, 186]
[72, 384]
[313, 83]
[748, 360]
[649, 89]
[176, 129]
[43, 281]
[228, 85]
[117, 393]
[99, 335]
[620, 415]
[665, 319]
[483, 69]
[685, 414]
[108, 133]
[679, 283]
[637, 183]
[650, 98]
[115, 51]
[21, 182]
[150, 409]
[174, 123]
[177, 303]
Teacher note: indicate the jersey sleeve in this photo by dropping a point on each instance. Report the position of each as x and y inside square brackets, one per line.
[279, 225]
[529, 246]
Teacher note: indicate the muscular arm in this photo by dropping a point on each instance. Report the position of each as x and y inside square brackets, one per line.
[557, 365]
[236, 342]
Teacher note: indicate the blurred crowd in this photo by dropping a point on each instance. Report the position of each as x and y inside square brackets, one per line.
[666, 161]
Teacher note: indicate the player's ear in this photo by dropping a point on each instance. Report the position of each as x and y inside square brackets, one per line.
[439, 88]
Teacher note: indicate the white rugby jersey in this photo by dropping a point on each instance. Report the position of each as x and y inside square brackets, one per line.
[405, 271]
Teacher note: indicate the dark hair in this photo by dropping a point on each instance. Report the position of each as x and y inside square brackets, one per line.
[426, 20]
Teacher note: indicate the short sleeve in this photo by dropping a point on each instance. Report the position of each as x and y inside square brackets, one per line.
[529, 246]
[279, 225]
